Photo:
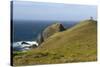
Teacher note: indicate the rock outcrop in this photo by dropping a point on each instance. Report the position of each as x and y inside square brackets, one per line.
[50, 30]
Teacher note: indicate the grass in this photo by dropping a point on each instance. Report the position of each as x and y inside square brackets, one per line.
[77, 44]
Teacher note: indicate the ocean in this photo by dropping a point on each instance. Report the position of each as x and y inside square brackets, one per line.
[29, 30]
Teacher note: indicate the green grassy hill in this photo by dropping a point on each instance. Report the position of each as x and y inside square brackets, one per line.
[76, 44]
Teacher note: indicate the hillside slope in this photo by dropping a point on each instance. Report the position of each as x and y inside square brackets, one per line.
[77, 44]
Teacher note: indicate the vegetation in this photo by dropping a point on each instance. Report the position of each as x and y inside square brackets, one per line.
[76, 44]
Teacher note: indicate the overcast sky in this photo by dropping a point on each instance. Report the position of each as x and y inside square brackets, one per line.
[27, 10]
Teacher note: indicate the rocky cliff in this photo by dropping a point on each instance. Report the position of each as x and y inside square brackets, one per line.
[50, 30]
[76, 44]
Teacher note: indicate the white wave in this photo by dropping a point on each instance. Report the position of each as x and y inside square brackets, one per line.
[24, 45]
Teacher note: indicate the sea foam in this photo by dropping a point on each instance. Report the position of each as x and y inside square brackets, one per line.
[24, 45]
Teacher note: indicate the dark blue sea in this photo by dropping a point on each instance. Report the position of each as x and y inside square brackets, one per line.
[28, 31]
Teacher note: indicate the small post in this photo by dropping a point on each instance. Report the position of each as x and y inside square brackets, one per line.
[91, 18]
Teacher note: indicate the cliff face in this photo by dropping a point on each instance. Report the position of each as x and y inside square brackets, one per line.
[50, 30]
[76, 44]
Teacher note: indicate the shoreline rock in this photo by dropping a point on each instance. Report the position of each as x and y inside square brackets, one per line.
[49, 31]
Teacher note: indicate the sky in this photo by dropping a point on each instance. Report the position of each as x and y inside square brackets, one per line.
[27, 10]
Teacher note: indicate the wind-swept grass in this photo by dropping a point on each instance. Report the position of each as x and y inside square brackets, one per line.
[77, 44]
